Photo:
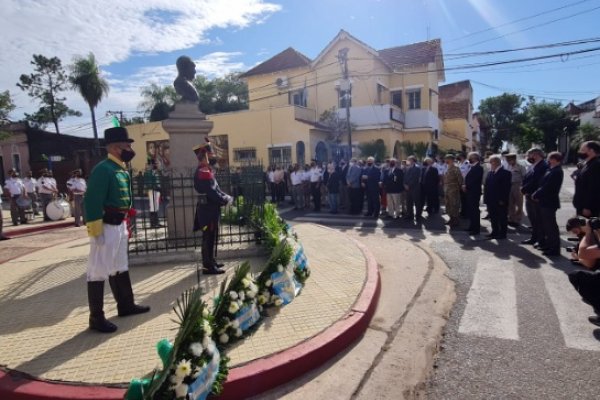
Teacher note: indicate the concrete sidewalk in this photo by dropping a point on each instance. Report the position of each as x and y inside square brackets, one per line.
[43, 326]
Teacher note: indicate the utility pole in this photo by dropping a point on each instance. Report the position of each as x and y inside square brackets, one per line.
[346, 87]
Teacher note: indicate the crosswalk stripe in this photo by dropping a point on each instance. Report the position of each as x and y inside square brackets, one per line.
[572, 313]
[491, 309]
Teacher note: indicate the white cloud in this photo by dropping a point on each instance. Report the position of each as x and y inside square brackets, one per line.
[114, 30]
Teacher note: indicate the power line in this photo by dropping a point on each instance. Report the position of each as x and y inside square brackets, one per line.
[536, 47]
[519, 20]
[530, 27]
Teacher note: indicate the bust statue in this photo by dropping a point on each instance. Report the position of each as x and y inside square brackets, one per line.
[186, 71]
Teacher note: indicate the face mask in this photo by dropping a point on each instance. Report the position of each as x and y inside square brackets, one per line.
[127, 155]
[531, 160]
[583, 156]
[212, 161]
[393, 164]
[369, 164]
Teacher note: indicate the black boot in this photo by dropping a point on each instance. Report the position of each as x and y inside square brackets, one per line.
[154, 220]
[120, 285]
[96, 303]
[209, 265]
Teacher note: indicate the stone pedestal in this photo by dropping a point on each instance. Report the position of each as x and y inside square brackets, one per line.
[187, 127]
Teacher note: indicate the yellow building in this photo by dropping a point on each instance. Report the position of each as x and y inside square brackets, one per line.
[392, 97]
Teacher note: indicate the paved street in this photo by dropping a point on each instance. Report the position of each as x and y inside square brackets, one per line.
[517, 330]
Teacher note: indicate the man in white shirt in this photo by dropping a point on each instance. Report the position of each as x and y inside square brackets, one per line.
[77, 187]
[16, 189]
[316, 176]
[297, 191]
[47, 190]
[31, 188]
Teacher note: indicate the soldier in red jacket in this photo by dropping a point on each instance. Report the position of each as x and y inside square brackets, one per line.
[208, 209]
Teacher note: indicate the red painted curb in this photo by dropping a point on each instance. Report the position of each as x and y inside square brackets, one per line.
[248, 380]
[32, 229]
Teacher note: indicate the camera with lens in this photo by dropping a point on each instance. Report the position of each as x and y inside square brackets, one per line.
[594, 223]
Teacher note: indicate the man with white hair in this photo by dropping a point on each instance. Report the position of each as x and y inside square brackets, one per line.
[392, 180]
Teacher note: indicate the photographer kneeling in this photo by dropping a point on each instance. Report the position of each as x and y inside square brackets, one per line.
[588, 283]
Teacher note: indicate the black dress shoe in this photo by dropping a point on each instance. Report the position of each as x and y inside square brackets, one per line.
[132, 310]
[101, 324]
[4, 238]
[212, 271]
[491, 236]
[514, 224]
[594, 319]
[529, 241]
[218, 265]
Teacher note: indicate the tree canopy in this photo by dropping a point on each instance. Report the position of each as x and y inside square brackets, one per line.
[85, 78]
[46, 83]
[6, 104]
[525, 122]
[217, 95]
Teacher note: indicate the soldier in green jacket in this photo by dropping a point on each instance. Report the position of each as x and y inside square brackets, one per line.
[453, 180]
[152, 185]
[107, 204]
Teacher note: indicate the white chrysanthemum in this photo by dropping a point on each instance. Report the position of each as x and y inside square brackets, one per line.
[235, 324]
[233, 295]
[250, 294]
[280, 268]
[240, 303]
[205, 313]
[274, 298]
[196, 349]
[205, 341]
[253, 287]
[278, 302]
[184, 368]
[268, 283]
[233, 307]
[261, 299]
[238, 332]
[207, 328]
[245, 282]
[224, 338]
[174, 379]
[242, 295]
[181, 390]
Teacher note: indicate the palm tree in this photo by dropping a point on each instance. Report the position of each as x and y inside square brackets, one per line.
[85, 78]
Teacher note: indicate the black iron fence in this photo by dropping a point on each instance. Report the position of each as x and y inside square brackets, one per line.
[166, 206]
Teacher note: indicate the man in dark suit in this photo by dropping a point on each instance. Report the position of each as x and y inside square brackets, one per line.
[472, 190]
[497, 190]
[371, 175]
[531, 183]
[430, 184]
[587, 193]
[547, 198]
[412, 188]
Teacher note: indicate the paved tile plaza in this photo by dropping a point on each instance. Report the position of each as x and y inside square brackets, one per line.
[43, 324]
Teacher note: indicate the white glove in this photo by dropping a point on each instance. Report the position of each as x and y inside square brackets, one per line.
[229, 199]
[99, 240]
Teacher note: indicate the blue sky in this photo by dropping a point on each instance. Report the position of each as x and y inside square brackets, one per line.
[138, 41]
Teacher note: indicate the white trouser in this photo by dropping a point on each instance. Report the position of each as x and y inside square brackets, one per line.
[393, 204]
[111, 256]
[153, 199]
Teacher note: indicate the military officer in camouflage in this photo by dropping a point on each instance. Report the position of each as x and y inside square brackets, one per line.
[453, 180]
[107, 205]
[208, 210]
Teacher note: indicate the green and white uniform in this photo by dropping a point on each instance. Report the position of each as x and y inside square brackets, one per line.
[108, 192]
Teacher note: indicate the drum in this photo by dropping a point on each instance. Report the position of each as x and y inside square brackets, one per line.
[24, 202]
[58, 209]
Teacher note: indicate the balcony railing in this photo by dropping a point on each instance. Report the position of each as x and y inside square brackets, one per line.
[373, 115]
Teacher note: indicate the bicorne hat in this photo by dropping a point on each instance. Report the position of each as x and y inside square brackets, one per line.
[203, 148]
[116, 135]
